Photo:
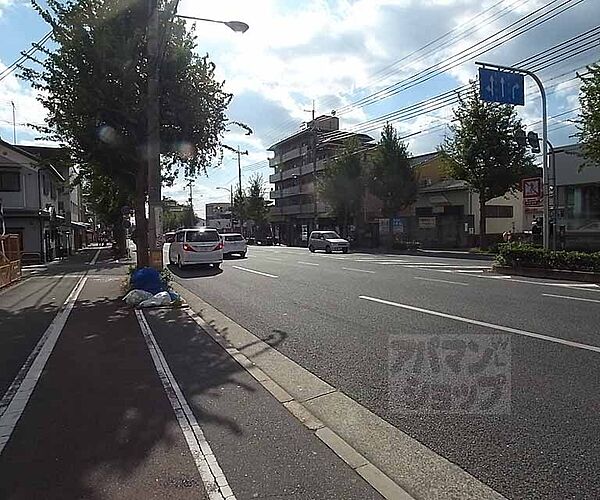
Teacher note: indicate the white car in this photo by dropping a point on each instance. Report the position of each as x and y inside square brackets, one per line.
[196, 246]
[234, 243]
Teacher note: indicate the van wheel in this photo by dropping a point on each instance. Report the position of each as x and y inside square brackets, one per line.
[217, 265]
[243, 255]
[179, 263]
[328, 249]
[311, 248]
[344, 250]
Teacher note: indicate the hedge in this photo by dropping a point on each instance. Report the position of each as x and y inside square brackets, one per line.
[527, 255]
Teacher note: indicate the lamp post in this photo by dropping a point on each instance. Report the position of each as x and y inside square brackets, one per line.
[153, 174]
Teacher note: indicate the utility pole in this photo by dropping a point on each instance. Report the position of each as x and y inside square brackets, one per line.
[314, 162]
[239, 160]
[190, 185]
[155, 235]
[14, 123]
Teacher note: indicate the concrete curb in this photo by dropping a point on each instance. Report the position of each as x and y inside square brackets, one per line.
[533, 272]
[393, 463]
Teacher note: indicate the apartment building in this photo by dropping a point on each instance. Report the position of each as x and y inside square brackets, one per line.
[218, 216]
[297, 161]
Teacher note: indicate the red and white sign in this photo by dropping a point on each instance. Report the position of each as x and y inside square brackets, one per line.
[532, 188]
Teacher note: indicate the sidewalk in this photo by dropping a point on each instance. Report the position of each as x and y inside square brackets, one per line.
[119, 412]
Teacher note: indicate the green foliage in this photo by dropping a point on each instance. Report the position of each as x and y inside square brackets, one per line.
[342, 183]
[392, 178]
[166, 277]
[482, 149]
[527, 255]
[257, 208]
[93, 84]
[239, 209]
[589, 125]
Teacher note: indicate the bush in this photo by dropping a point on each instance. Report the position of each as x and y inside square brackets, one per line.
[527, 255]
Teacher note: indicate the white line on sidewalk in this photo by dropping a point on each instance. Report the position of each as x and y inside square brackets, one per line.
[307, 263]
[441, 281]
[569, 297]
[17, 396]
[93, 261]
[212, 475]
[508, 329]
[357, 270]
[255, 272]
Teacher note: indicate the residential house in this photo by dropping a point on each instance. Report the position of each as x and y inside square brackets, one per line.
[38, 205]
[298, 160]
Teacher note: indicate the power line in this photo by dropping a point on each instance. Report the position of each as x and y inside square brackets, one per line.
[35, 47]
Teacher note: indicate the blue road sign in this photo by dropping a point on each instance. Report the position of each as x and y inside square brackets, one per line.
[501, 86]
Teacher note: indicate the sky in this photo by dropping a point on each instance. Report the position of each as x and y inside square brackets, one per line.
[335, 53]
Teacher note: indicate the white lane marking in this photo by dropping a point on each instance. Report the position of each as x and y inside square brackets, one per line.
[441, 281]
[357, 270]
[583, 287]
[307, 263]
[17, 396]
[210, 471]
[255, 272]
[93, 261]
[502, 328]
[569, 297]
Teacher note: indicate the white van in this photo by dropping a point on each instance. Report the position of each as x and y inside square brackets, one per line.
[196, 246]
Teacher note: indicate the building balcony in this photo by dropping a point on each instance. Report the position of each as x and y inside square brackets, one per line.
[292, 191]
[305, 209]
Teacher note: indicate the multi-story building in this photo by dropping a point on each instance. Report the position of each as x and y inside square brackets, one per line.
[218, 216]
[30, 192]
[298, 160]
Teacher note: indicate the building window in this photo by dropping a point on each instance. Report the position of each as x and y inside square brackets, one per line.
[10, 181]
[424, 211]
[499, 211]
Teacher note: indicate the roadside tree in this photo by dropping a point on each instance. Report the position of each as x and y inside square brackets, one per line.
[93, 84]
[482, 150]
[589, 125]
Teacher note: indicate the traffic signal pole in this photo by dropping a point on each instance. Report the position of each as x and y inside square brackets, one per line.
[545, 176]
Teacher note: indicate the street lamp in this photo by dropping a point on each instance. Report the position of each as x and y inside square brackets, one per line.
[237, 26]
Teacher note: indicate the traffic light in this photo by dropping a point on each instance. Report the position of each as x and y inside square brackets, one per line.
[520, 137]
[534, 142]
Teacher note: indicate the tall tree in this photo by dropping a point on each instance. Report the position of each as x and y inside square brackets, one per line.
[341, 184]
[239, 208]
[392, 179]
[257, 208]
[482, 150]
[93, 84]
[589, 125]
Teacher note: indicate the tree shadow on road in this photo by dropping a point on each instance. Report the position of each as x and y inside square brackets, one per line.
[99, 424]
[195, 271]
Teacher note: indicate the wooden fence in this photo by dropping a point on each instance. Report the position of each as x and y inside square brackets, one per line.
[10, 259]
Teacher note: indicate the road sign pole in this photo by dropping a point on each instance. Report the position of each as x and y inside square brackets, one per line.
[546, 191]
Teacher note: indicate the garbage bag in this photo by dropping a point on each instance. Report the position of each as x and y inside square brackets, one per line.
[160, 299]
[147, 279]
[135, 297]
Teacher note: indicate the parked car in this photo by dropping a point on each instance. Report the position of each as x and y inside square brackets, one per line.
[169, 237]
[329, 241]
[196, 246]
[234, 243]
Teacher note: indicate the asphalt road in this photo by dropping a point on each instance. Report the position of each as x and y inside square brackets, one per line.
[519, 411]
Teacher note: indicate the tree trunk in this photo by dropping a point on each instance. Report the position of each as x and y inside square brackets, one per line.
[482, 220]
[120, 240]
[141, 223]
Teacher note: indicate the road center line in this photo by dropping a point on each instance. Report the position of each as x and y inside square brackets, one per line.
[210, 471]
[357, 270]
[255, 272]
[441, 281]
[569, 297]
[307, 263]
[17, 396]
[508, 329]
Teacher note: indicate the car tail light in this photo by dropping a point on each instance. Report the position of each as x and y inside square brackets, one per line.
[219, 246]
[188, 248]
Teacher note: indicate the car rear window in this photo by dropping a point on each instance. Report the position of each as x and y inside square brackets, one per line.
[234, 237]
[201, 236]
